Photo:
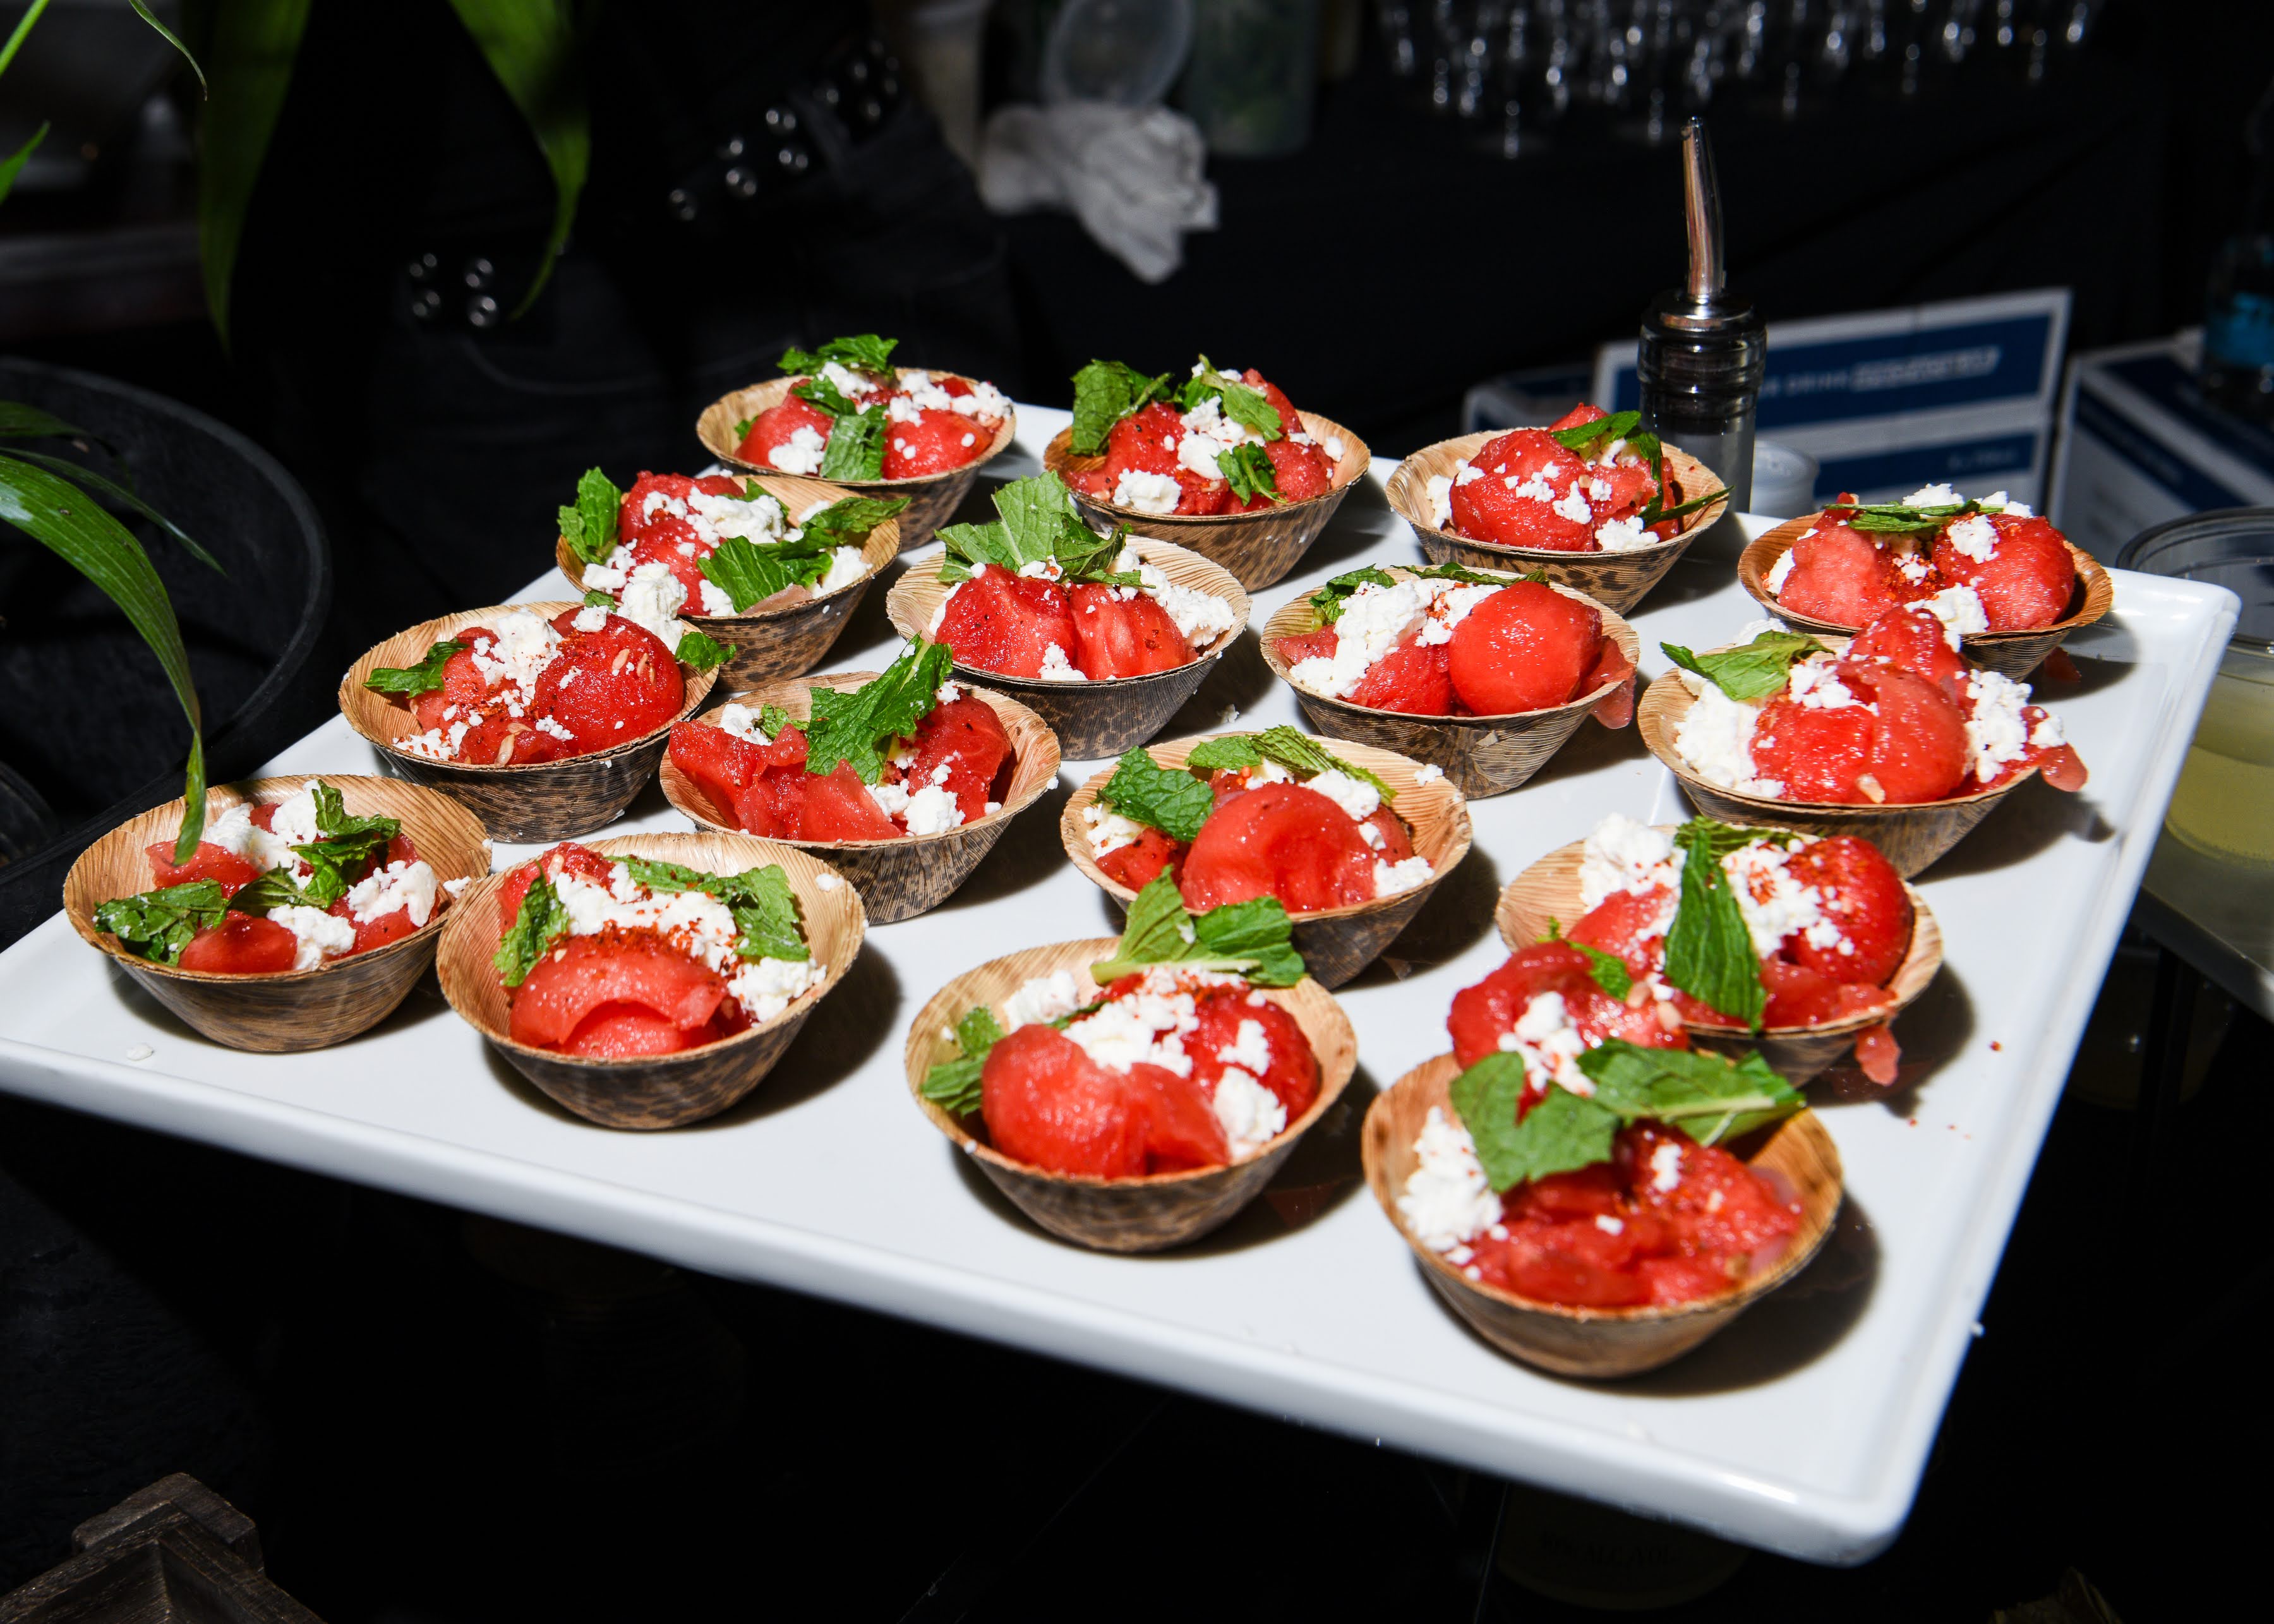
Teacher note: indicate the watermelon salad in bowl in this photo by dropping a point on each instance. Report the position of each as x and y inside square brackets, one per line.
[1350, 843]
[843, 413]
[1594, 500]
[1484, 673]
[902, 779]
[1218, 461]
[1134, 1094]
[1893, 735]
[2006, 581]
[1102, 635]
[302, 914]
[1803, 947]
[771, 569]
[649, 981]
[544, 718]
[1584, 1188]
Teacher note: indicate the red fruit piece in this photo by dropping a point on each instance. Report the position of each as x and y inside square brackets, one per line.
[369, 933]
[1913, 750]
[1801, 997]
[241, 945]
[1049, 1104]
[1415, 678]
[1141, 862]
[662, 541]
[1117, 637]
[207, 862]
[1839, 577]
[776, 426]
[624, 1031]
[937, 440]
[1522, 475]
[1180, 1127]
[632, 515]
[1913, 638]
[968, 737]
[1482, 1013]
[1581, 413]
[582, 975]
[1877, 1055]
[722, 766]
[1281, 840]
[1293, 1073]
[1817, 756]
[1747, 1219]
[1320, 645]
[463, 687]
[1525, 648]
[608, 687]
[568, 857]
[838, 807]
[1300, 471]
[999, 622]
[2026, 581]
[1630, 926]
[1860, 891]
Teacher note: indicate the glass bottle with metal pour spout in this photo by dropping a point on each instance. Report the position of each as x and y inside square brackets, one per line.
[1702, 352]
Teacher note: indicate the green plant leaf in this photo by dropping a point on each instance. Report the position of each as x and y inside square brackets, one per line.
[1706, 1095]
[1328, 602]
[537, 52]
[1038, 521]
[1709, 952]
[1609, 970]
[1253, 939]
[142, 11]
[1248, 470]
[1227, 754]
[863, 352]
[856, 447]
[276, 889]
[1559, 1132]
[540, 919]
[158, 924]
[698, 652]
[847, 520]
[18, 421]
[825, 396]
[772, 719]
[954, 1085]
[751, 572]
[88, 479]
[1169, 799]
[1105, 392]
[248, 47]
[1243, 403]
[12, 165]
[860, 726]
[1301, 755]
[77, 529]
[598, 600]
[1755, 671]
[424, 677]
[589, 526]
[742, 428]
[766, 914]
[1580, 436]
[1900, 518]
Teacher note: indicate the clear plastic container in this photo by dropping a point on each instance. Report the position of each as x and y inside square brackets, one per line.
[1255, 75]
[2224, 807]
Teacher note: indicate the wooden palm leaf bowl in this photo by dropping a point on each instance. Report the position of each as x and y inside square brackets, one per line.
[1597, 1342]
[291, 1010]
[656, 1091]
[548, 800]
[1910, 836]
[932, 498]
[1335, 943]
[1119, 1215]
[1484, 755]
[1549, 890]
[2010, 654]
[1618, 579]
[1092, 719]
[897, 879]
[778, 639]
[1258, 548]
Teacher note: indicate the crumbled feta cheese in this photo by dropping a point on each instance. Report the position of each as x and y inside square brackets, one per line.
[549, 725]
[1109, 830]
[1250, 1113]
[1625, 854]
[948, 693]
[1147, 492]
[1429, 773]
[1609, 1225]
[715, 599]
[984, 401]
[139, 1052]
[826, 882]
[317, 934]
[1549, 1044]
[1354, 796]
[1912, 568]
[1441, 498]
[1933, 496]
[591, 618]
[1390, 879]
[1202, 617]
[1373, 619]
[1447, 1201]
[1058, 669]
[1814, 686]
[932, 811]
[2047, 735]
[766, 986]
[695, 923]
[1145, 1025]
[1665, 1166]
[742, 722]
[1572, 506]
[1960, 610]
[408, 886]
[1996, 731]
[1332, 445]
[1715, 740]
[435, 744]
[609, 576]
[294, 820]
[801, 454]
[1044, 999]
[234, 831]
[1974, 537]
[1780, 572]
[1624, 535]
[892, 799]
[846, 566]
[652, 598]
[1249, 1047]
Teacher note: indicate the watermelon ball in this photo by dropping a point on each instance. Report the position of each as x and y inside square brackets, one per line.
[1279, 840]
[1860, 892]
[1521, 476]
[939, 440]
[1002, 622]
[968, 737]
[1118, 635]
[2027, 578]
[1527, 647]
[601, 974]
[1293, 1073]
[241, 945]
[1913, 638]
[774, 431]
[1415, 678]
[1482, 1013]
[1840, 577]
[836, 806]
[1143, 860]
[1912, 749]
[609, 686]
[1046, 1103]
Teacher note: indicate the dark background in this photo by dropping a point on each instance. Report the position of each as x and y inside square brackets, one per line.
[437, 1419]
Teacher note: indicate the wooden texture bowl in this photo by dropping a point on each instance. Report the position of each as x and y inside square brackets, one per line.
[659, 1091]
[1618, 579]
[547, 800]
[786, 639]
[1119, 1214]
[1549, 890]
[932, 498]
[2010, 654]
[291, 1010]
[1484, 755]
[1258, 548]
[1596, 1343]
[1092, 719]
[1911, 836]
[1335, 943]
[897, 879]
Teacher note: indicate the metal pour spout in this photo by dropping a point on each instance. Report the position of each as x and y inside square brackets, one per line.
[1701, 209]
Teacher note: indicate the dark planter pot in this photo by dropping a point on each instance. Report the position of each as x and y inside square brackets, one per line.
[91, 727]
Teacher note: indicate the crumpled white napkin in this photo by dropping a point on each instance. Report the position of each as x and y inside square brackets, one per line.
[1130, 174]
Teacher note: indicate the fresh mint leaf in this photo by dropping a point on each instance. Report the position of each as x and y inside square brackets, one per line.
[1755, 671]
[272, 890]
[773, 719]
[1228, 755]
[765, 908]
[751, 572]
[1170, 799]
[825, 396]
[157, 925]
[847, 520]
[1609, 970]
[1252, 939]
[1300, 755]
[954, 1085]
[856, 447]
[860, 726]
[1470, 577]
[742, 428]
[1559, 1132]
[1580, 436]
[541, 919]
[863, 352]
[1248, 470]
[589, 526]
[1241, 403]
[1709, 952]
[1038, 522]
[1900, 518]
[598, 600]
[1658, 511]
[699, 653]
[334, 821]
[1705, 1095]
[1328, 602]
[424, 678]
[1105, 392]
